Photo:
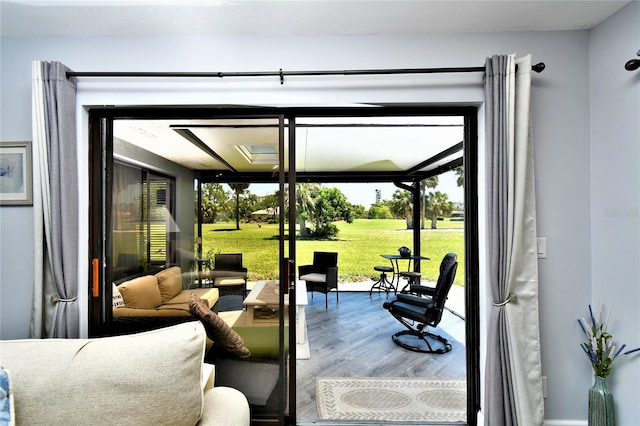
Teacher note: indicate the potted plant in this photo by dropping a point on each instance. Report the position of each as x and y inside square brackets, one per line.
[601, 351]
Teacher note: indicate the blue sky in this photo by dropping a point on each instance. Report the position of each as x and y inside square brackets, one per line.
[365, 193]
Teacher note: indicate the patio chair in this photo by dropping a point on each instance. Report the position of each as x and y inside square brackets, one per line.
[423, 309]
[228, 274]
[322, 275]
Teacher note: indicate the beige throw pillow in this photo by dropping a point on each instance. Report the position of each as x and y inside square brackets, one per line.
[169, 283]
[141, 292]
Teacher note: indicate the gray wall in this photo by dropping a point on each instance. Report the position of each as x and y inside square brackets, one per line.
[615, 194]
[573, 160]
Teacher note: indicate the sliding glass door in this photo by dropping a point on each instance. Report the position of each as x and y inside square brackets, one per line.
[181, 187]
[181, 192]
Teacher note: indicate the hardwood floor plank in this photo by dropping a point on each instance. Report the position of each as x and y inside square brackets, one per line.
[352, 338]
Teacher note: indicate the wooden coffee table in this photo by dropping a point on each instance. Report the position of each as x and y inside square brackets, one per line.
[262, 306]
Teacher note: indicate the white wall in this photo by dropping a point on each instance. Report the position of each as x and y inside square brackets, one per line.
[560, 107]
[615, 194]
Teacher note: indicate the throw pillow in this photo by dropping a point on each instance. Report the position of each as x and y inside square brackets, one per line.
[141, 292]
[116, 297]
[169, 283]
[7, 411]
[218, 330]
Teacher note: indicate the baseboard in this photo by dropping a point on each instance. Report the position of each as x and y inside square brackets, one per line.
[565, 423]
[546, 422]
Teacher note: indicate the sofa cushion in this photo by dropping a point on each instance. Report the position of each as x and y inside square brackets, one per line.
[73, 381]
[209, 295]
[218, 330]
[169, 283]
[141, 292]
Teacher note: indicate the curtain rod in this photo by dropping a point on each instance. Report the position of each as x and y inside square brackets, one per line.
[537, 68]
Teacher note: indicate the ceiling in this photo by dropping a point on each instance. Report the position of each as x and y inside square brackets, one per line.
[338, 149]
[85, 18]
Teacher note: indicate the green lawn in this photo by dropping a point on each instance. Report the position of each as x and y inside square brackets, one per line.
[359, 245]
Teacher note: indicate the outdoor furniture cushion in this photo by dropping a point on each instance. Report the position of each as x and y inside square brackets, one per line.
[218, 330]
[158, 294]
[209, 295]
[314, 277]
[169, 283]
[141, 292]
[219, 282]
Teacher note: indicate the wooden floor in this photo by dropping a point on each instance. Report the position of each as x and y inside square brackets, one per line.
[352, 338]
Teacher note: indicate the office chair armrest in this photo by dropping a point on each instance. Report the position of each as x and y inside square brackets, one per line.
[422, 290]
[412, 299]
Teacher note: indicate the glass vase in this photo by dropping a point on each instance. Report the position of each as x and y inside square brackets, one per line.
[600, 404]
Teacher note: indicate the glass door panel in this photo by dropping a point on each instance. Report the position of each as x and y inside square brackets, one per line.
[142, 224]
[158, 170]
[241, 208]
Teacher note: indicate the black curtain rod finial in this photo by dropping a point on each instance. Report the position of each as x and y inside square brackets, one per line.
[632, 64]
[539, 67]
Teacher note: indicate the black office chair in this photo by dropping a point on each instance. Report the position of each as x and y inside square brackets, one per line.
[423, 309]
[322, 276]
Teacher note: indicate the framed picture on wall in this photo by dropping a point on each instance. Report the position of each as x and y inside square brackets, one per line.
[16, 186]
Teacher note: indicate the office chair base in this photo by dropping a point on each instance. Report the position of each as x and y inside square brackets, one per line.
[422, 337]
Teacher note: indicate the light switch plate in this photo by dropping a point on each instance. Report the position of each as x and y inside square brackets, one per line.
[542, 248]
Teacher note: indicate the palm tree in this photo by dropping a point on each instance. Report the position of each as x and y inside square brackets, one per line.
[438, 204]
[401, 205]
[459, 171]
[430, 182]
[305, 204]
[238, 188]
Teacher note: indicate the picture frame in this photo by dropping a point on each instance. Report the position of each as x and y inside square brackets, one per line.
[16, 178]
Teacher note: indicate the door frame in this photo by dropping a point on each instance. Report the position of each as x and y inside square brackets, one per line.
[101, 122]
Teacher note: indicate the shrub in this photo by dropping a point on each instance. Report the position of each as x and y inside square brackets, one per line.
[328, 230]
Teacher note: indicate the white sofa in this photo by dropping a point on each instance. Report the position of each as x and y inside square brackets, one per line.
[156, 377]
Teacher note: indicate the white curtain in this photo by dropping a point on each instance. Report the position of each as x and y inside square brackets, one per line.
[54, 310]
[513, 386]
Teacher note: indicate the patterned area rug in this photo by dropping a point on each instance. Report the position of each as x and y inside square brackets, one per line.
[389, 399]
